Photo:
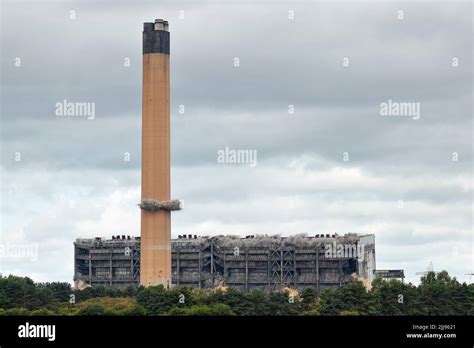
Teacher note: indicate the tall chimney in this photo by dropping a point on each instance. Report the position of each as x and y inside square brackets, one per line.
[155, 258]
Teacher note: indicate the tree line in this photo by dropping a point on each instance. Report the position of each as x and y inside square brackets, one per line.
[437, 294]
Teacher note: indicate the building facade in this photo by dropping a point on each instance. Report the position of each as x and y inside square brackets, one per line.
[253, 262]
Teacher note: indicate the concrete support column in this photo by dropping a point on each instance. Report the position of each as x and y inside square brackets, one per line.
[199, 270]
[225, 269]
[317, 270]
[90, 268]
[111, 270]
[246, 271]
[177, 267]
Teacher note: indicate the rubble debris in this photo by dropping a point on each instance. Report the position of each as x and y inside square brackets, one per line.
[154, 205]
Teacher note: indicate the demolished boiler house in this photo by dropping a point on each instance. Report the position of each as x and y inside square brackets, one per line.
[253, 262]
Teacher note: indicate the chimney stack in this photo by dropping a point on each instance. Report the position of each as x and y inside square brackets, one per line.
[155, 253]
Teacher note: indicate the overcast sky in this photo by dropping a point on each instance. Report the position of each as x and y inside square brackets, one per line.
[67, 177]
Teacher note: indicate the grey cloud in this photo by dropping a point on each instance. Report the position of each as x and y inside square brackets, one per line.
[282, 62]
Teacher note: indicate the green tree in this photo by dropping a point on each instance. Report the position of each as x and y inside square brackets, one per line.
[92, 309]
[60, 291]
[351, 297]
[256, 303]
[280, 304]
[231, 297]
[20, 292]
[216, 309]
[309, 297]
[440, 294]
[394, 297]
[155, 299]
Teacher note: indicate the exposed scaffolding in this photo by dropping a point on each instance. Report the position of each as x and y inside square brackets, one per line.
[114, 263]
[261, 261]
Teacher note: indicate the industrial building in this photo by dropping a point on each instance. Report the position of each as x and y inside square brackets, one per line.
[388, 274]
[154, 258]
[252, 262]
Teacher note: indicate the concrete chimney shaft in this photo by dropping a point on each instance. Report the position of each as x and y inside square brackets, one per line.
[155, 258]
